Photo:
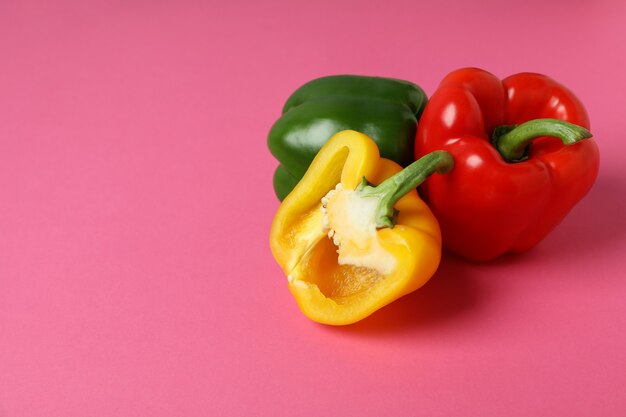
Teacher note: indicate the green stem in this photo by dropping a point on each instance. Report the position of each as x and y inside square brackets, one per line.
[512, 141]
[395, 187]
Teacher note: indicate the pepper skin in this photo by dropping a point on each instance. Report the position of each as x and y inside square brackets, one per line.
[385, 109]
[334, 237]
[488, 205]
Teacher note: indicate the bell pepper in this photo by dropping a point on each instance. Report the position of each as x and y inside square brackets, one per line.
[348, 248]
[521, 162]
[385, 109]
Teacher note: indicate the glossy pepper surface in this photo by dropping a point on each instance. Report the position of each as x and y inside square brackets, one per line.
[384, 109]
[511, 185]
[349, 248]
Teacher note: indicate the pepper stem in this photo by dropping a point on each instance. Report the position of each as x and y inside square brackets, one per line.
[395, 187]
[512, 141]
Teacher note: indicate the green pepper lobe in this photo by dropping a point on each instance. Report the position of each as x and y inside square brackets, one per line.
[385, 109]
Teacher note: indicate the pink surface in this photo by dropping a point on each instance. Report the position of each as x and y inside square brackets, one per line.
[136, 199]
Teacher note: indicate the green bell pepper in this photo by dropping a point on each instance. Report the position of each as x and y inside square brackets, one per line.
[385, 109]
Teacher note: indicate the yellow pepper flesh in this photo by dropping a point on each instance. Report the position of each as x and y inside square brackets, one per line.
[333, 293]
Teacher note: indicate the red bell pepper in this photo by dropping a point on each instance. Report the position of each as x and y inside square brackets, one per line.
[510, 186]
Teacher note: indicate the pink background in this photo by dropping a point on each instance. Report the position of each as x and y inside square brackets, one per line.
[136, 199]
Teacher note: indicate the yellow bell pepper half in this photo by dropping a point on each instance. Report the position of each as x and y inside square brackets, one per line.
[349, 248]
